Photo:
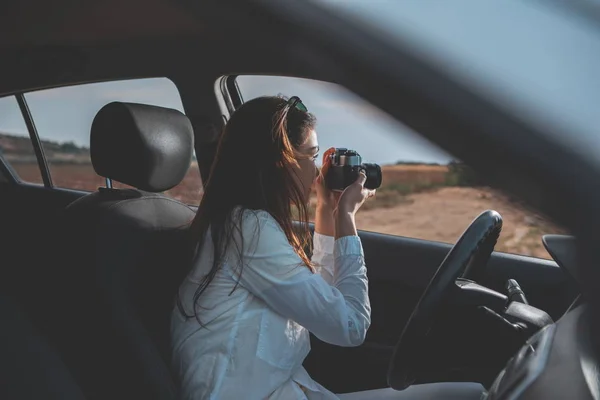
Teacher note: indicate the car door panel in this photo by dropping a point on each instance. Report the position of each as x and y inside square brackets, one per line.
[30, 219]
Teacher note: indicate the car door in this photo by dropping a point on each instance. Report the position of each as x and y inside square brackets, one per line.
[427, 199]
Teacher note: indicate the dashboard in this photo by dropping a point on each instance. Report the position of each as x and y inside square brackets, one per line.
[524, 367]
[559, 361]
[563, 250]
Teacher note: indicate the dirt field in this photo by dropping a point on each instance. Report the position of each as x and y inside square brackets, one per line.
[431, 174]
[443, 214]
[83, 177]
[412, 202]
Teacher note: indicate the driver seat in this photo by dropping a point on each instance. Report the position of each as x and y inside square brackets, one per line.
[126, 252]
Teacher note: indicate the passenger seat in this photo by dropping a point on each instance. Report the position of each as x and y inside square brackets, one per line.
[125, 250]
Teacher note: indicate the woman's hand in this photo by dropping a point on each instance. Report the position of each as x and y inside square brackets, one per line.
[354, 195]
[350, 201]
[327, 199]
[335, 210]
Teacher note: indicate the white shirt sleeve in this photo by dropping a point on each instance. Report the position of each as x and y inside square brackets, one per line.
[322, 257]
[337, 312]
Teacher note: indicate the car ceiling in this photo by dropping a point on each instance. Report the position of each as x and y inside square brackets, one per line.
[45, 44]
[81, 23]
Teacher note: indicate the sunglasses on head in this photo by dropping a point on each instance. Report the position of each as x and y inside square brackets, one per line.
[295, 101]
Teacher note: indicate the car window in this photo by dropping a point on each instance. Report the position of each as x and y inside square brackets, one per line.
[426, 193]
[16, 148]
[63, 118]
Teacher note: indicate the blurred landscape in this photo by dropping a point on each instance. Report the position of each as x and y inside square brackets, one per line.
[439, 202]
[425, 201]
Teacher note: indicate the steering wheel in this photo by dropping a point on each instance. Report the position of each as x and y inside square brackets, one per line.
[467, 259]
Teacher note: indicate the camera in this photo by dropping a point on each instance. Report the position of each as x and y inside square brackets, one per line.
[344, 169]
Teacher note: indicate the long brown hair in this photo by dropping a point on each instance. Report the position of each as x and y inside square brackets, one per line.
[254, 169]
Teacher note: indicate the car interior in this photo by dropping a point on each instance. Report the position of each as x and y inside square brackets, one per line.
[89, 276]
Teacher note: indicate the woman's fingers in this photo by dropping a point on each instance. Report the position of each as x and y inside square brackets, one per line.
[362, 178]
[327, 160]
[335, 197]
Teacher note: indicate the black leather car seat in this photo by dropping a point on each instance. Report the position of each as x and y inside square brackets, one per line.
[126, 250]
[29, 367]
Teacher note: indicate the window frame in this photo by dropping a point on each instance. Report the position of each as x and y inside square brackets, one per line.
[6, 169]
[230, 92]
[35, 140]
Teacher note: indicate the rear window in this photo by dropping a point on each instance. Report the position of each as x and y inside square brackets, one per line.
[63, 118]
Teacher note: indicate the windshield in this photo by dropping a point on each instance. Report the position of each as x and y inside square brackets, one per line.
[538, 59]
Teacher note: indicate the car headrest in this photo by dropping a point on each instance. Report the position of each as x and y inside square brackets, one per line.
[144, 146]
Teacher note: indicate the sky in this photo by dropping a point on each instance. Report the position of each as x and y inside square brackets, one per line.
[346, 120]
[343, 119]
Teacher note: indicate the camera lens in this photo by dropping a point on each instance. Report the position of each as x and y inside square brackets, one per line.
[373, 173]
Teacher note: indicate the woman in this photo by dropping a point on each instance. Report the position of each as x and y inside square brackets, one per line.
[241, 326]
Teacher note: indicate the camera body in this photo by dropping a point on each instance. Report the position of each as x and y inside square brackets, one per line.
[344, 169]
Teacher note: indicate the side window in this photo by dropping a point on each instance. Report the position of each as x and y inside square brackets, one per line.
[16, 148]
[63, 118]
[425, 193]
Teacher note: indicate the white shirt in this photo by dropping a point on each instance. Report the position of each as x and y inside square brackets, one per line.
[256, 337]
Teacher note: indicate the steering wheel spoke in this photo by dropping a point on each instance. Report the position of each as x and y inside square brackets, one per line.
[469, 293]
